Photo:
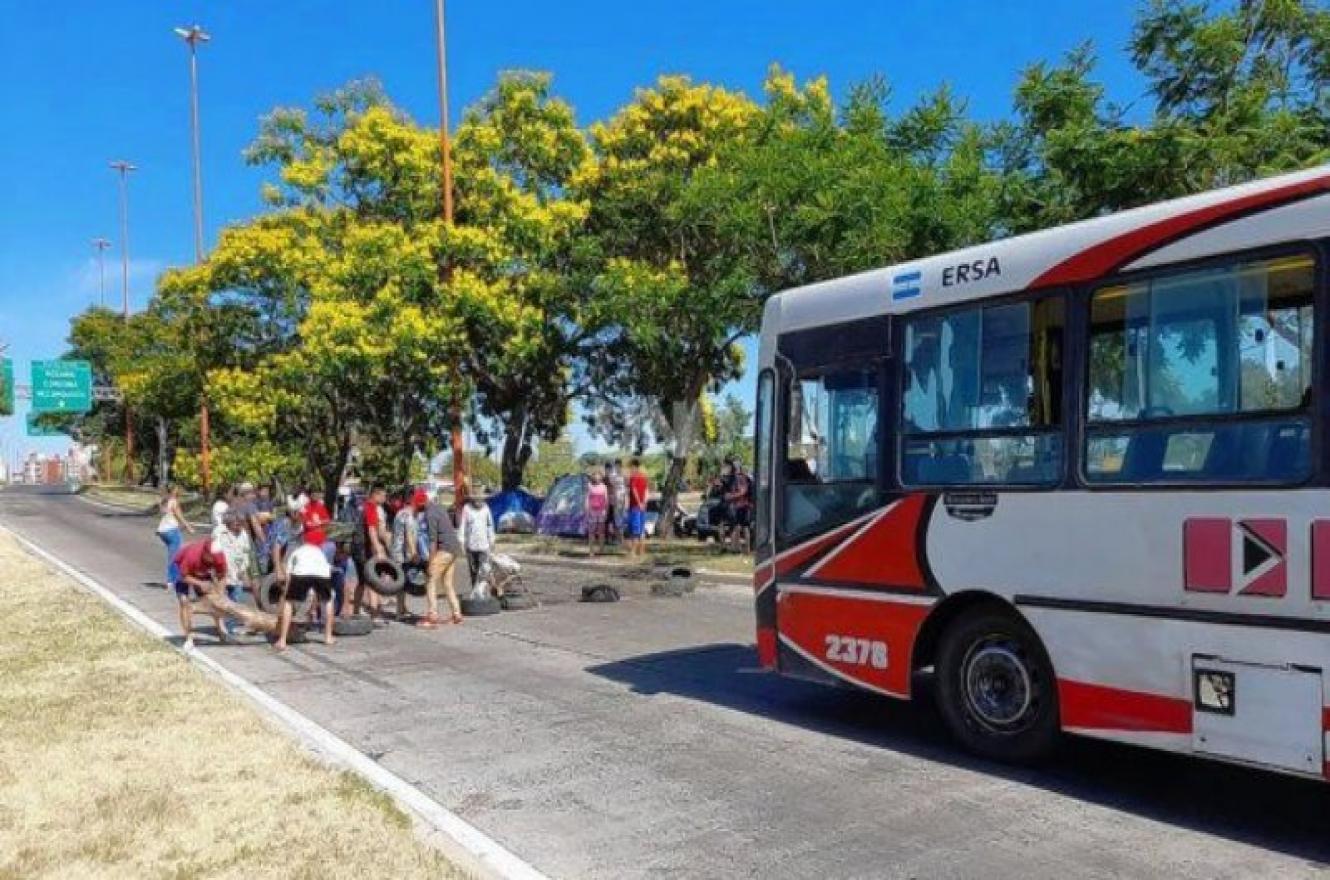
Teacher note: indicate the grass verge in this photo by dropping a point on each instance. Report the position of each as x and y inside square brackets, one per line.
[120, 759]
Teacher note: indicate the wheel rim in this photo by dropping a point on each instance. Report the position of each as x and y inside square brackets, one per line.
[1000, 685]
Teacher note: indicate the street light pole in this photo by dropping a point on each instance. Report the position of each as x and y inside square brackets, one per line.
[458, 447]
[123, 168]
[101, 244]
[193, 36]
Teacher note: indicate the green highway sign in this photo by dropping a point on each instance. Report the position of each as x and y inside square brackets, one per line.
[37, 429]
[61, 386]
[6, 387]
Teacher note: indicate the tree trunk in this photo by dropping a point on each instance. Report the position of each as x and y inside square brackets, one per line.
[516, 452]
[163, 466]
[331, 473]
[685, 422]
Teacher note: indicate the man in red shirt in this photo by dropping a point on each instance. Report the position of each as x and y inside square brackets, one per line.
[637, 509]
[371, 543]
[202, 567]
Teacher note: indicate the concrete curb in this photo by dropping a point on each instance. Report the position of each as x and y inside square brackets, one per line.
[468, 847]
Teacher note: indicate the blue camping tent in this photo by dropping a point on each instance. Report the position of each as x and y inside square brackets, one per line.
[514, 511]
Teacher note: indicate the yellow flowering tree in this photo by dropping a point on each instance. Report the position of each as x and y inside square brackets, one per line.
[676, 296]
[516, 263]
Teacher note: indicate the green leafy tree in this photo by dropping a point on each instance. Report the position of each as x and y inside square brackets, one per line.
[675, 296]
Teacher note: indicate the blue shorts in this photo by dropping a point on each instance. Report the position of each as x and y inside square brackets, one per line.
[637, 520]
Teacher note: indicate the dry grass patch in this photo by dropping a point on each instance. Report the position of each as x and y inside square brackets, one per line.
[120, 759]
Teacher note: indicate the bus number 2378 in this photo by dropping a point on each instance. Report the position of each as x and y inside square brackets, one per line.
[860, 652]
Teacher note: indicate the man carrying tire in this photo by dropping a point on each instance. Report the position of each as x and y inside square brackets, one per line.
[370, 541]
[442, 548]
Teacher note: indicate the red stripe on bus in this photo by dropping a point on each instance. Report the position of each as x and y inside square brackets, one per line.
[1096, 707]
[1325, 719]
[796, 556]
[766, 647]
[1109, 255]
[885, 553]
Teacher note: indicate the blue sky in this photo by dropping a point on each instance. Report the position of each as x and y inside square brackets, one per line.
[87, 82]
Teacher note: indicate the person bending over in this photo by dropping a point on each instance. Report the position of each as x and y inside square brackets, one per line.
[202, 569]
[307, 570]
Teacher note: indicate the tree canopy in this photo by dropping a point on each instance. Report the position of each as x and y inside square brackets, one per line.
[615, 268]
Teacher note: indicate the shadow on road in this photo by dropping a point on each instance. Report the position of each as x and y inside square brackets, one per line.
[1262, 809]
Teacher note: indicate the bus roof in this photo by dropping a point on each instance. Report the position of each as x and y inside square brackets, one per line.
[1290, 207]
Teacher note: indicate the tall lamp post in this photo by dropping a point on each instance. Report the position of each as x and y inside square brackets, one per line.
[101, 244]
[123, 168]
[193, 36]
[458, 448]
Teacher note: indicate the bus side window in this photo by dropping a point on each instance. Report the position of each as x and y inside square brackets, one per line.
[1203, 376]
[981, 396]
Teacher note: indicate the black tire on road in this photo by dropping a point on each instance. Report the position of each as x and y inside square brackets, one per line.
[356, 625]
[480, 607]
[518, 602]
[416, 579]
[385, 577]
[996, 688]
[599, 593]
[270, 588]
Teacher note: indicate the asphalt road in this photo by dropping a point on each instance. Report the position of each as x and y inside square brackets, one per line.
[635, 740]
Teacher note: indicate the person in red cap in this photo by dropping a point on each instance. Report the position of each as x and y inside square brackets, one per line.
[203, 568]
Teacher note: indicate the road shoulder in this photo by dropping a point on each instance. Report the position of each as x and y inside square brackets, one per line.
[465, 846]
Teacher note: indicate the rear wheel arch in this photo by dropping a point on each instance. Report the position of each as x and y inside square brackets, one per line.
[949, 610]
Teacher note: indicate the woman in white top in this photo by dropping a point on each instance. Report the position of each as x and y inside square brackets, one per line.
[168, 530]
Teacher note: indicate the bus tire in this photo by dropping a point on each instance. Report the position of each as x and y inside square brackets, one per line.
[995, 687]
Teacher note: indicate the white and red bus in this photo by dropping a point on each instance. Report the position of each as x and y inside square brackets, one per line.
[1082, 475]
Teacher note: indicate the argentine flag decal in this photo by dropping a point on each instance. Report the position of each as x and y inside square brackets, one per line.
[906, 285]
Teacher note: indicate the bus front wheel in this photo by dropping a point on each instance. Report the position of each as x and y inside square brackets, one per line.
[996, 689]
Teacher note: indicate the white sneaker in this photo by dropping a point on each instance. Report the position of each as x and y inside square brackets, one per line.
[188, 644]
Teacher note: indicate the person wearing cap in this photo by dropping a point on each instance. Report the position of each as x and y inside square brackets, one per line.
[307, 569]
[477, 534]
[202, 568]
[284, 536]
[442, 548]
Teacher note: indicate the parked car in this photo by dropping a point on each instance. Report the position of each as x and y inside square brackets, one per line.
[706, 523]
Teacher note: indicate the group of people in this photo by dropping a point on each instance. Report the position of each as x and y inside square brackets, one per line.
[251, 537]
[416, 532]
[616, 506]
